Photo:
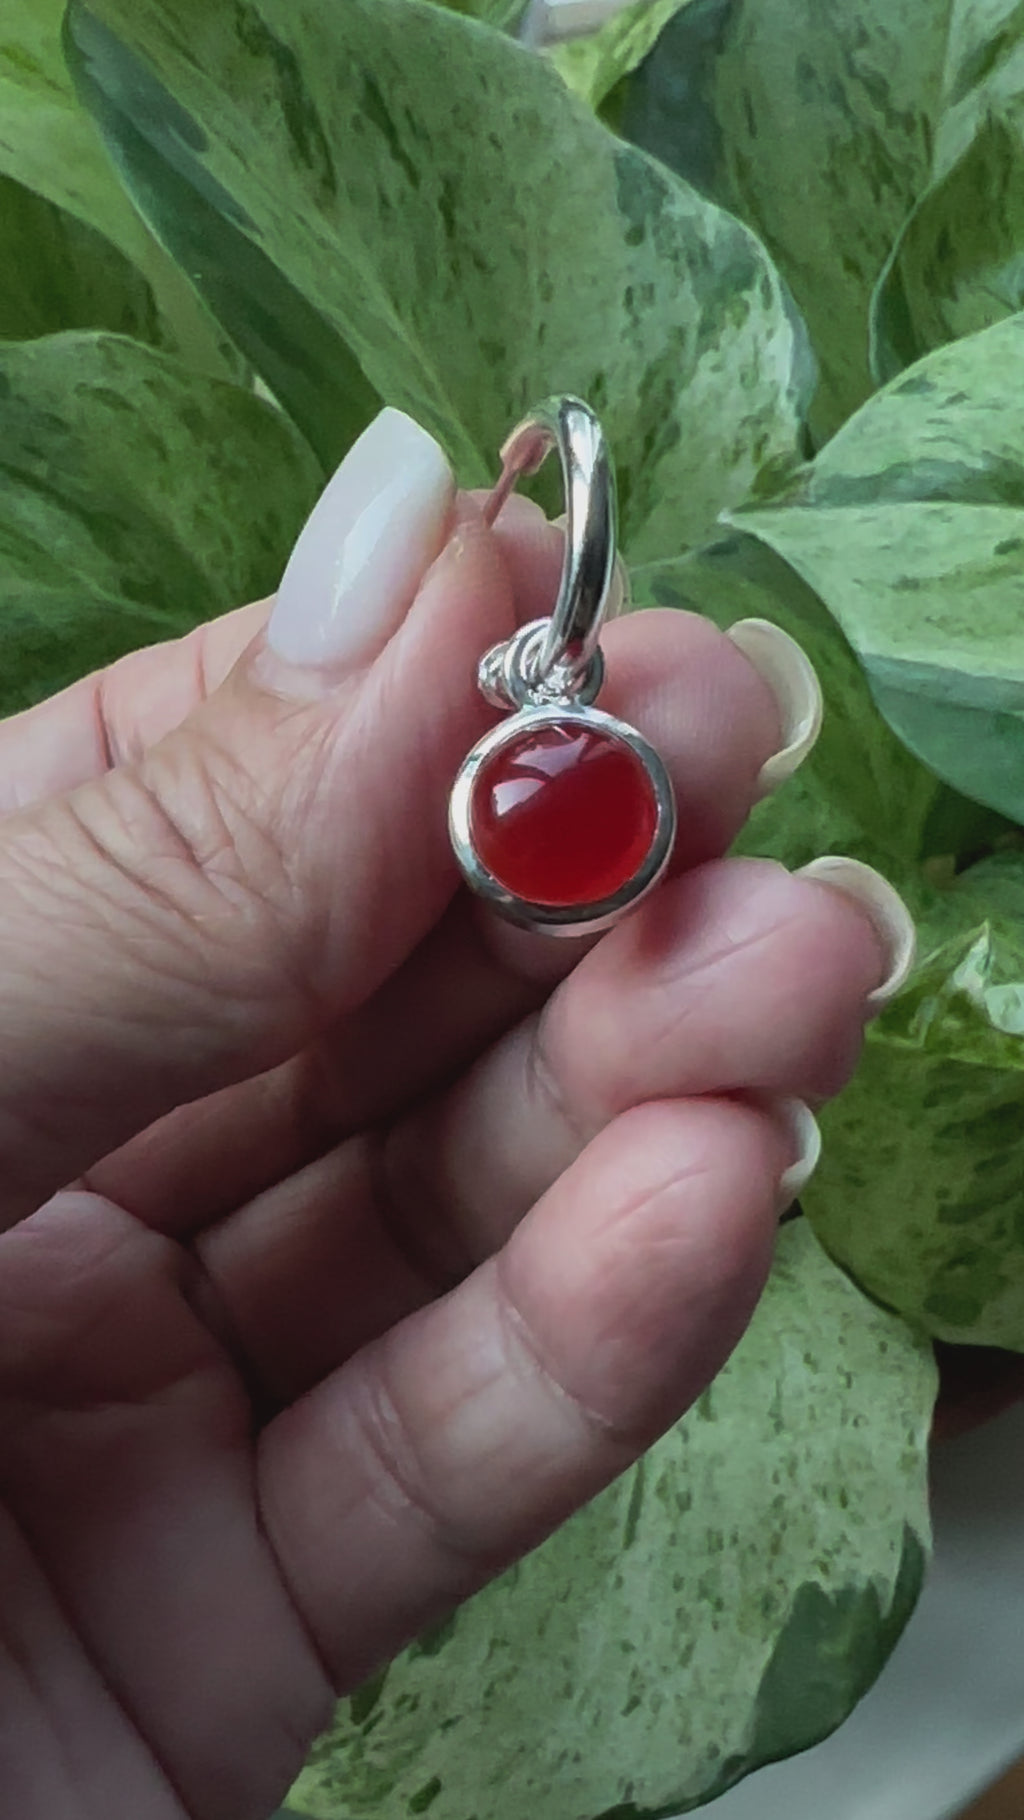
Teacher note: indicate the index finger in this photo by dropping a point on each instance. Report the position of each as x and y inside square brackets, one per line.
[114, 715]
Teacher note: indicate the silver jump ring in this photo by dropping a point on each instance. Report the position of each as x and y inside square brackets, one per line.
[566, 663]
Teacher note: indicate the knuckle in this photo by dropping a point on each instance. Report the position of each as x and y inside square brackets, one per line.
[404, 1485]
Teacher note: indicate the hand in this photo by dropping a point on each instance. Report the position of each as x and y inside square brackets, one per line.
[394, 1234]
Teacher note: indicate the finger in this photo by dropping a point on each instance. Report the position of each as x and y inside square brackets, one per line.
[738, 979]
[691, 691]
[114, 716]
[195, 918]
[458, 1440]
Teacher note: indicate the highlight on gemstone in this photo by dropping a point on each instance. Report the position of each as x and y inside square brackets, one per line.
[563, 814]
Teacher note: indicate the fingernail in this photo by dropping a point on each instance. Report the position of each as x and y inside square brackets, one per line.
[369, 541]
[893, 923]
[786, 668]
[805, 1142]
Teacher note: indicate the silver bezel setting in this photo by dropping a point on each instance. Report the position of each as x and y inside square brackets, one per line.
[554, 919]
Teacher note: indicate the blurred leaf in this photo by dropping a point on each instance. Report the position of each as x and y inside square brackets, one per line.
[811, 120]
[136, 499]
[297, 352]
[958, 265]
[857, 137]
[724, 1604]
[49, 146]
[439, 204]
[506, 15]
[593, 63]
[61, 274]
[910, 527]
[920, 1190]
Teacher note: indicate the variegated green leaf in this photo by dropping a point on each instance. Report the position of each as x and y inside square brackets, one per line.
[136, 499]
[429, 195]
[920, 1190]
[68, 264]
[958, 262]
[812, 120]
[858, 138]
[724, 1604]
[594, 62]
[910, 527]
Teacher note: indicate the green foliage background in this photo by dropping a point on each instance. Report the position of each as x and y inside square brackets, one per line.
[779, 245]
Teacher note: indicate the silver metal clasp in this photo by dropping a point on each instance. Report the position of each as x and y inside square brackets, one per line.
[559, 659]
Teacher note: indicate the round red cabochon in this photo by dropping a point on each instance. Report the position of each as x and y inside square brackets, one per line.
[563, 814]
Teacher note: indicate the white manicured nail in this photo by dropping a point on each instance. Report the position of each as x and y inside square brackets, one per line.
[805, 1137]
[892, 921]
[786, 668]
[371, 537]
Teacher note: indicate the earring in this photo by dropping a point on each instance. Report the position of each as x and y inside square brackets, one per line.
[562, 817]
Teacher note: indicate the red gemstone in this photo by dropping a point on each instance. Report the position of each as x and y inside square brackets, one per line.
[563, 815]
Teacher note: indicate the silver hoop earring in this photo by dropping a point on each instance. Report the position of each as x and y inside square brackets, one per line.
[562, 817]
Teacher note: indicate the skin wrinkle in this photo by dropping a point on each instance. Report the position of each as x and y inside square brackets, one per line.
[702, 980]
[156, 903]
[210, 837]
[106, 870]
[38, 1407]
[630, 1212]
[727, 943]
[199, 900]
[107, 753]
[399, 1486]
[543, 1085]
[276, 906]
[522, 1335]
[152, 909]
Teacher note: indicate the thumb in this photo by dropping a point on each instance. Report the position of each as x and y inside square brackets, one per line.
[196, 917]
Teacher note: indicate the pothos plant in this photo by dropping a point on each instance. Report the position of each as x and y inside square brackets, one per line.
[779, 245]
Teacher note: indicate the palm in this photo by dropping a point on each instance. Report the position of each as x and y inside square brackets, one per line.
[296, 1369]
